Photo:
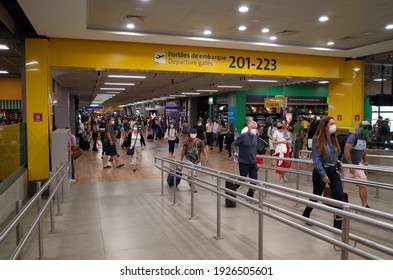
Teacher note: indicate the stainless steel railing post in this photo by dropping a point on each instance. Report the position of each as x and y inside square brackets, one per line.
[19, 227]
[377, 179]
[57, 193]
[192, 194]
[174, 187]
[62, 182]
[39, 226]
[260, 227]
[345, 234]
[297, 181]
[218, 235]
[162, 178]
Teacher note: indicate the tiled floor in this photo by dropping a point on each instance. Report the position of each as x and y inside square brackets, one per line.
[119, 214]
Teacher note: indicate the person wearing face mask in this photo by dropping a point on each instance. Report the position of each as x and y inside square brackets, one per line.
[355, 153]
[281, 142]
[136, 141]
[171, 135]
[109, 145]
[192, 149]
[201, 133]
[325, 151]
[247, 143]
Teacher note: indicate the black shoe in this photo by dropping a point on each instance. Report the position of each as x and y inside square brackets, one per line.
[367, 206]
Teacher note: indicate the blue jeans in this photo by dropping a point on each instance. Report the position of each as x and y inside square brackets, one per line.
[250, 169]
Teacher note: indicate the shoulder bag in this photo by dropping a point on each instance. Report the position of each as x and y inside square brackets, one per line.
[131, 150]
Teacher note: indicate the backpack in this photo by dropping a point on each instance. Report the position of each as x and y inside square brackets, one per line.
[192, 151]
[342, 140]
[261, 146]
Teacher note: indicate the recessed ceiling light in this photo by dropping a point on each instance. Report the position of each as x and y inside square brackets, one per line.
[3, 72]
[379, 80]
[265, 30]
[207, 90]
[356, 69]
[207, 32]
[191, 93]
[130, 26]
[390, 26]
[120, 84]
[4, 47]
[126, 76]
[262, 81]
[331, 43]
[323, 19]
[112, 89]
[243, 9]
[242, 28]
[229, 86]
[323, 82]
[273, 38]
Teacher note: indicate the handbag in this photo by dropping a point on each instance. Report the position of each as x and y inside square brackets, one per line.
[177, 139]
[131, 150]
[76, 152]
[327, 192]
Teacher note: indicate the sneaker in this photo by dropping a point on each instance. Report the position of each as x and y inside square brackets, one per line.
[195, 191]
[72, 180]
[281, 181]
[367, 206]
[285, 179]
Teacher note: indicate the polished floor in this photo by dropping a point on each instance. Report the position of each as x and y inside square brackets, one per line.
[112, 214]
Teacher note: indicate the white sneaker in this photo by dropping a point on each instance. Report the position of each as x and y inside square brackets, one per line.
[285, 179]
[281, 181]
[72, 180]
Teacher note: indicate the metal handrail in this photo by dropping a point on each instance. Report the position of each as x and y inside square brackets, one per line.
[297, 196]
[63, 171]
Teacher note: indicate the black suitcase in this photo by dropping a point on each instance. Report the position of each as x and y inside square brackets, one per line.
[233, 187]
[171, 179]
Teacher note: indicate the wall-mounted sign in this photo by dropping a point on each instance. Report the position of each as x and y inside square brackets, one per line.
[339, 117]
[276, 102]
[37, 117]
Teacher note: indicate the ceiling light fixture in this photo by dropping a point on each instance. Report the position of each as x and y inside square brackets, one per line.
[3, 72]
[323, 82]
[331, 43]
[243, 9]
[190, 93]
[242, 28]
[389, 26]
[262, 81]
[112, 89]
[265, 30]
[207, 90]
[130, 26]
[229, 86]
[273, 38]
[120, 84]
[127, 77]
[4, 47]
[207, 32]
[176, 95]
[379, 80]
[323, 19]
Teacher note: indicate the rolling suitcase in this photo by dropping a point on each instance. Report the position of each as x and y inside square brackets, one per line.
[171, 179]
[233, 187]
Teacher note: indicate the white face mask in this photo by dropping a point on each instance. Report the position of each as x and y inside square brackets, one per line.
[135, 128]
[254, 131]
[193, 136]
[112, 122]
[332, 129]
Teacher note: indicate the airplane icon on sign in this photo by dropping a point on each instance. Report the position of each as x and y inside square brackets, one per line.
[158, 56]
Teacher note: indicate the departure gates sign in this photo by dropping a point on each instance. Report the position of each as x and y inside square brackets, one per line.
[156, 57]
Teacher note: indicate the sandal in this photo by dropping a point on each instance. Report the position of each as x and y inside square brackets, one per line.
[108, 166]
[120, 165]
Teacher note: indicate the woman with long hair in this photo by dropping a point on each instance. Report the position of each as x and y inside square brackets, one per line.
[325, 151]
[171, 136]
[136, 141]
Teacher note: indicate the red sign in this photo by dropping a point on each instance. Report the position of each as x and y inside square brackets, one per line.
[37, 117]
[357, 118]
[339, 117]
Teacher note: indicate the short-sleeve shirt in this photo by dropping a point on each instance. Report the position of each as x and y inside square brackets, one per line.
[109, 129]
[358, 149]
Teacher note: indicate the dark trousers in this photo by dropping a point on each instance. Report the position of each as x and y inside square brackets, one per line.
[171, 144]
[250, 170]
[209, 138]
[319, 186]
[94, 135]
[221, 141]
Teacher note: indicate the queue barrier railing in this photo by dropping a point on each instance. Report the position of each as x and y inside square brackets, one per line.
[56, 185]
[349, 212]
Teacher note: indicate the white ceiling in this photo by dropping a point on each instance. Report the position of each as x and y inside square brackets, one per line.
[356, 26]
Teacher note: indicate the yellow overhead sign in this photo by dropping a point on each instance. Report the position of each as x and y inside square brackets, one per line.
[154, 57]
[276, 102]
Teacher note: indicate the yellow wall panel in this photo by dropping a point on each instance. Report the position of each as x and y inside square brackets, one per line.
[346, 96]
[10, 88]
[37, 105]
